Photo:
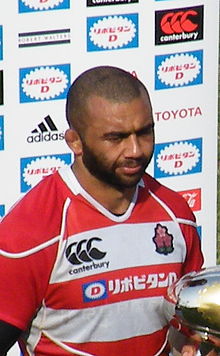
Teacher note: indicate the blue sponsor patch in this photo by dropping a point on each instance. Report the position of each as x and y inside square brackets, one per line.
[112, 32]
[33, 169]
[199, 230]
[1, 133]
[94, 291]
[29, 6]
[178, 70]
[2, 210]
[44, 83]
[178, 158]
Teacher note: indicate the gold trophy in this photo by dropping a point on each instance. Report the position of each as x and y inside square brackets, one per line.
[193, 303]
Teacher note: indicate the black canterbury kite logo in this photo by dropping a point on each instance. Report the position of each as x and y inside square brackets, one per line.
[84, 251]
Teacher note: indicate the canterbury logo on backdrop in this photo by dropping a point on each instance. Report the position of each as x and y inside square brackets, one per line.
[178, 22]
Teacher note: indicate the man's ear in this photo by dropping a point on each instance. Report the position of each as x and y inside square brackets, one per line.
[73, 141]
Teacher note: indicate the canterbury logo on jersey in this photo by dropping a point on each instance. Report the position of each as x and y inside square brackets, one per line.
[84, 251]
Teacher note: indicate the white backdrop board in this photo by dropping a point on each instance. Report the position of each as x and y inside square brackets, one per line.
[171, 45]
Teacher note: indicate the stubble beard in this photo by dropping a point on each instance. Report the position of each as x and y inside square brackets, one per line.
[96, 166]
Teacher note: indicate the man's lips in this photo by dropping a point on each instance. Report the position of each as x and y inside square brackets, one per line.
[132, 166]
[130, 170]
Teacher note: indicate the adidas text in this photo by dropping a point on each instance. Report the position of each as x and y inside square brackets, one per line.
[47, 137]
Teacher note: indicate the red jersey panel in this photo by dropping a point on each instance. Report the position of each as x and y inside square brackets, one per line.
[92, 283]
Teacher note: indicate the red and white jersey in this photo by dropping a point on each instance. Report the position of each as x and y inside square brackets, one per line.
[80, 280]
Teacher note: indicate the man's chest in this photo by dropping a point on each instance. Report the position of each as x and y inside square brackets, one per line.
[118, 262]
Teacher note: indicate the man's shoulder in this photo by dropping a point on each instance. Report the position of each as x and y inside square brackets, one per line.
[51, 188]
[42, 202]
[169, 196]
[157, 187]
[37, 217]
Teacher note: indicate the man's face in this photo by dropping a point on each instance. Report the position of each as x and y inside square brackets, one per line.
[118, 142]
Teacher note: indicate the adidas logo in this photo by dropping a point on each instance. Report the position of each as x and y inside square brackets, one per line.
[46, 131]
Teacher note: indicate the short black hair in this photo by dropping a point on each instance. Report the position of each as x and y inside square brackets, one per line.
[111, 83]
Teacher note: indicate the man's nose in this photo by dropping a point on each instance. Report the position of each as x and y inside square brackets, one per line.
[133, 148]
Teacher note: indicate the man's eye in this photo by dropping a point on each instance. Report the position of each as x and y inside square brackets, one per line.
[146, 132]
[114, 138]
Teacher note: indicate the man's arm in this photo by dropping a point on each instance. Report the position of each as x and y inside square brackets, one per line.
[182, 345]
[189, 350]
[9, 334]
[211, 348]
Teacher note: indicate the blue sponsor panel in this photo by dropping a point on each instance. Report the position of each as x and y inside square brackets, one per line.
[112, 32]
[199, 230]
[38, 5]
[178, 158]
[2, 210]
[1, 42]
[33, 169]
[178, 70]
[44, 82]
[2, 146]
[93, 291]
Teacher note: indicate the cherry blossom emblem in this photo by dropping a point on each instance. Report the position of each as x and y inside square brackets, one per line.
[163, 240]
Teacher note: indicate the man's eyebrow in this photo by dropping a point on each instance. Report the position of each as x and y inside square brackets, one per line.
[122, 134]
[115, 134]
[146, 128]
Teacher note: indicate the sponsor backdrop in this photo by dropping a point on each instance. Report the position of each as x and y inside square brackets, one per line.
[171, 45]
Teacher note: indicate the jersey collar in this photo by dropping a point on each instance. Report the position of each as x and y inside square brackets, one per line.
[70, 179]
